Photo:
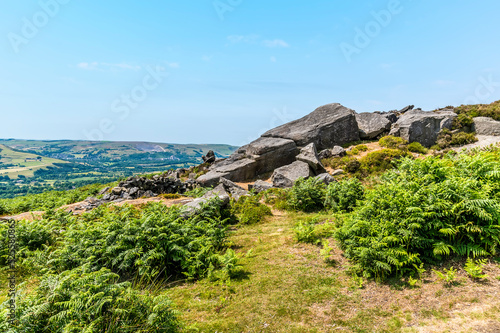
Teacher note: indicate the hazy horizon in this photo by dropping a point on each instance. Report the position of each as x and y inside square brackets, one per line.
[226, 71]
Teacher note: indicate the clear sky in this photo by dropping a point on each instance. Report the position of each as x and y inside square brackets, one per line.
[225, 71]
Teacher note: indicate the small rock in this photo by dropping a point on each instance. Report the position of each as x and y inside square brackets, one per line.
[309, 155]
[326, 178]
[338, 151]
[338, 172]
[287, 175]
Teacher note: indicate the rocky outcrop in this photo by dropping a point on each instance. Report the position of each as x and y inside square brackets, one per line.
[209, 158]
[486, 126]
[138, 187]
[259, 157]
[309, 155]
[327, 126]
[287, 175]
[421, 126]
[371, 125]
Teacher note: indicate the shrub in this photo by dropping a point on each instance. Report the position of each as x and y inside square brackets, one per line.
[157, 240]
[475, 269]
[460, 139]
[250, 210]
[416, 147]
[277, 197]
[393, 142]
[343, 195]
[425, 211]
[352, 166]
[82, 300]
[382, 160]
[462, 121]
[446, 139]
[307, 195]
[480, 110]
[313, 230]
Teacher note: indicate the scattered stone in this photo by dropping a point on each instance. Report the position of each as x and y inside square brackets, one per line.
[309, 155]
[337, 172]
[338, 151]
[325, 153]
[261, 186]
[326, 178]
[287, 175]
[486, 126]
[194, 206]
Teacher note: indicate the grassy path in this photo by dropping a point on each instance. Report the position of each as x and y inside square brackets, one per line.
[288, 287]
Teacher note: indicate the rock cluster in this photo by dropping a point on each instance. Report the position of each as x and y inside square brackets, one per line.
[138, 187]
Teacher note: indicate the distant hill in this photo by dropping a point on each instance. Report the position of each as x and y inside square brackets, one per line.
[14, 163]
[64, 164]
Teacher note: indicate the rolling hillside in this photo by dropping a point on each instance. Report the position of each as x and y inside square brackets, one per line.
[14, 163]
[63, 165]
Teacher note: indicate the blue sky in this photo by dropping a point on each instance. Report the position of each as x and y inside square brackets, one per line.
[225, 71]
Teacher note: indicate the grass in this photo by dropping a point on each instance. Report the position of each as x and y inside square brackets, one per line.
[287, 287]
[27, 169]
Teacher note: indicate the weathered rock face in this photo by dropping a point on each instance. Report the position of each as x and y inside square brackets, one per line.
[287, 175]
[259, 157]
[236, 191]
[372, 125]
[309, 155]
[486, 126]
[327, 126]
[261, 186]
[423, 127]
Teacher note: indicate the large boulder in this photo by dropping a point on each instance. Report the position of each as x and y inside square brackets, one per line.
[372, 125]
[309, 155]
[486, 126]
[327, 126]
[421, 126]
[259, 157]
[287, 175]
